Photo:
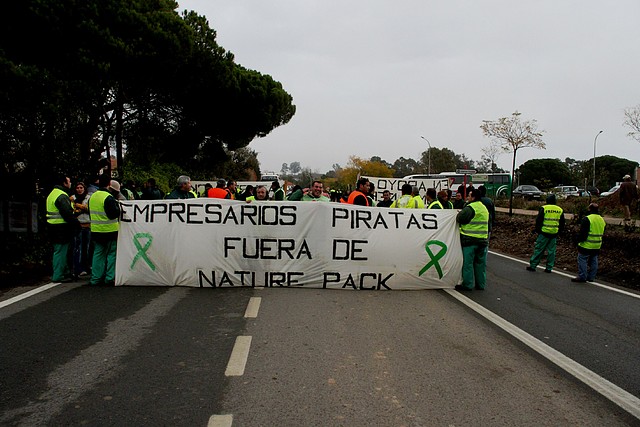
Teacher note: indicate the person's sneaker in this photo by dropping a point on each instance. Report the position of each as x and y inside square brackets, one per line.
[461, 288]
[84, 273]
[547, 270]
[578, 280]
[529, 268]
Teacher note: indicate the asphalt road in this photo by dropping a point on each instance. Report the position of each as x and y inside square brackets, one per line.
[75, 355]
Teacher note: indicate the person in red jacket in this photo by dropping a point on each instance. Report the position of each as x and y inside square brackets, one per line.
[359, 195]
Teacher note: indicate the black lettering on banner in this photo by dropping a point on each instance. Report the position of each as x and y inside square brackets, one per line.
[288, 212]
[380, 221]
[213, 209]
[330, 278]
[384, 281]
[252, 274]
[347, 249]
[230, 216]
[191, 213]
[202, 276]
[157, 209]
[142, 210]
[339, 213]
[266, 208]
[430, 221]
[349, 282]
[249, 212]
[275, 278]
[176, 210]
[225, 279]
[123, 212]
[364, 217]
[413, 222]
[362, 276]
[265, 248]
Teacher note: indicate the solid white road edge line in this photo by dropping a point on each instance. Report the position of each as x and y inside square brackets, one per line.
[220, 421]
[600, 285]
[239, 355]
[253, 307]
[28, 294]
[617, 395]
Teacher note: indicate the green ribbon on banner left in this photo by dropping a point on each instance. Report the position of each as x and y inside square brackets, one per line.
[142, 250]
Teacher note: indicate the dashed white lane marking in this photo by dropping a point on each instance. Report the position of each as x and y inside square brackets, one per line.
[617, 395]
[239, 355]
[220, 421]
[600, 285]
[28, 294]
[253, 307]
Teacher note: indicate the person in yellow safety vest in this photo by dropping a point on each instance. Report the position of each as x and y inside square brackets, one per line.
[474, 238]
[405, 199]
[104, 211]
[183, 190]
[549, 224]
[62, 224]
[589, 244]
[261, 195]
[441, 201]
[359, 195]
[416, 199]
[278, 192]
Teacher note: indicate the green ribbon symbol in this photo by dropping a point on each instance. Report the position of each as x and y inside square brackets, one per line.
[434, 258]
[142, 251]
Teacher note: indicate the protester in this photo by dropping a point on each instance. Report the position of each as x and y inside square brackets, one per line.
[628, 194]
[589, 244]
[232, 189]
[104, 210]
[416, 199]
[474, 238]
[182, 190]
[441, 201]
[249, 191]
[151, 191]
[261, 194]
[278, 192]
[82, 237]
[371, 195]
[458, 203]
[62, 224]
[386, 200]
[313, 194]
[404, 201]
[549, 223]
[488, 203]
[359, 195]
[220, 191]
[127, 190]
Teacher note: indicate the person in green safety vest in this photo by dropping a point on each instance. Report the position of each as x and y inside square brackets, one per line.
[183, 190]
[405, 200]
[62, 223]
[589, 244]
[549, 224]
[474, 238]
[104, 211]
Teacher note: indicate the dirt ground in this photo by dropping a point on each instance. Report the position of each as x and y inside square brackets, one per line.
[619, 259]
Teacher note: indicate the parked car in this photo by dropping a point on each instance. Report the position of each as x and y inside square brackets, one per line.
[610, 192]
[564, 191]
[529, 192]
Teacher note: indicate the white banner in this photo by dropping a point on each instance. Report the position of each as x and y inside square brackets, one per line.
[394, 185]
[226, 243]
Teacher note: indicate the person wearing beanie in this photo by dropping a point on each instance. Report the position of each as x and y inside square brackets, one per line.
[589, 244]
[104, 211]
[549, 223]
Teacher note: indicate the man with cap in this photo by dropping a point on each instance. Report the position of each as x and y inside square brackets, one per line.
[104, 211]
[549, 223]
[589, 244]
[220, 191]
[628, 193]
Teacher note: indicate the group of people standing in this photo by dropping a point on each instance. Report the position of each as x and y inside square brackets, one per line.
[83, 227]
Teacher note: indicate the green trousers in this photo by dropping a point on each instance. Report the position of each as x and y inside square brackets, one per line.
[474, 266]
[61, 269]
[103, 266]
[544, 243]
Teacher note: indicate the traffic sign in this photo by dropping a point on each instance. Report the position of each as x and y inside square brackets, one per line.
[466, 171]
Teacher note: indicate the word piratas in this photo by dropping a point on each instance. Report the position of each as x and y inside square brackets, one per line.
[384, 218]
[209, 213]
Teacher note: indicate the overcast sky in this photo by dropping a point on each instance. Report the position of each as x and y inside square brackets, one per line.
[369, 77]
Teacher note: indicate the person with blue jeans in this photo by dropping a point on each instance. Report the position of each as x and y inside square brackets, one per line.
[589, 244]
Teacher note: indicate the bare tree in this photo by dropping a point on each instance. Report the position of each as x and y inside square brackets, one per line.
[632, 120]
[512, 134]
[491, 153]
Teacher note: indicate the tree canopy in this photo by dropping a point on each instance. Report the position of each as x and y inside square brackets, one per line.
[133, 77]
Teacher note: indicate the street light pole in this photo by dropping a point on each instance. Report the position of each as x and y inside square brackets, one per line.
[428, 155]
[594, 159]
